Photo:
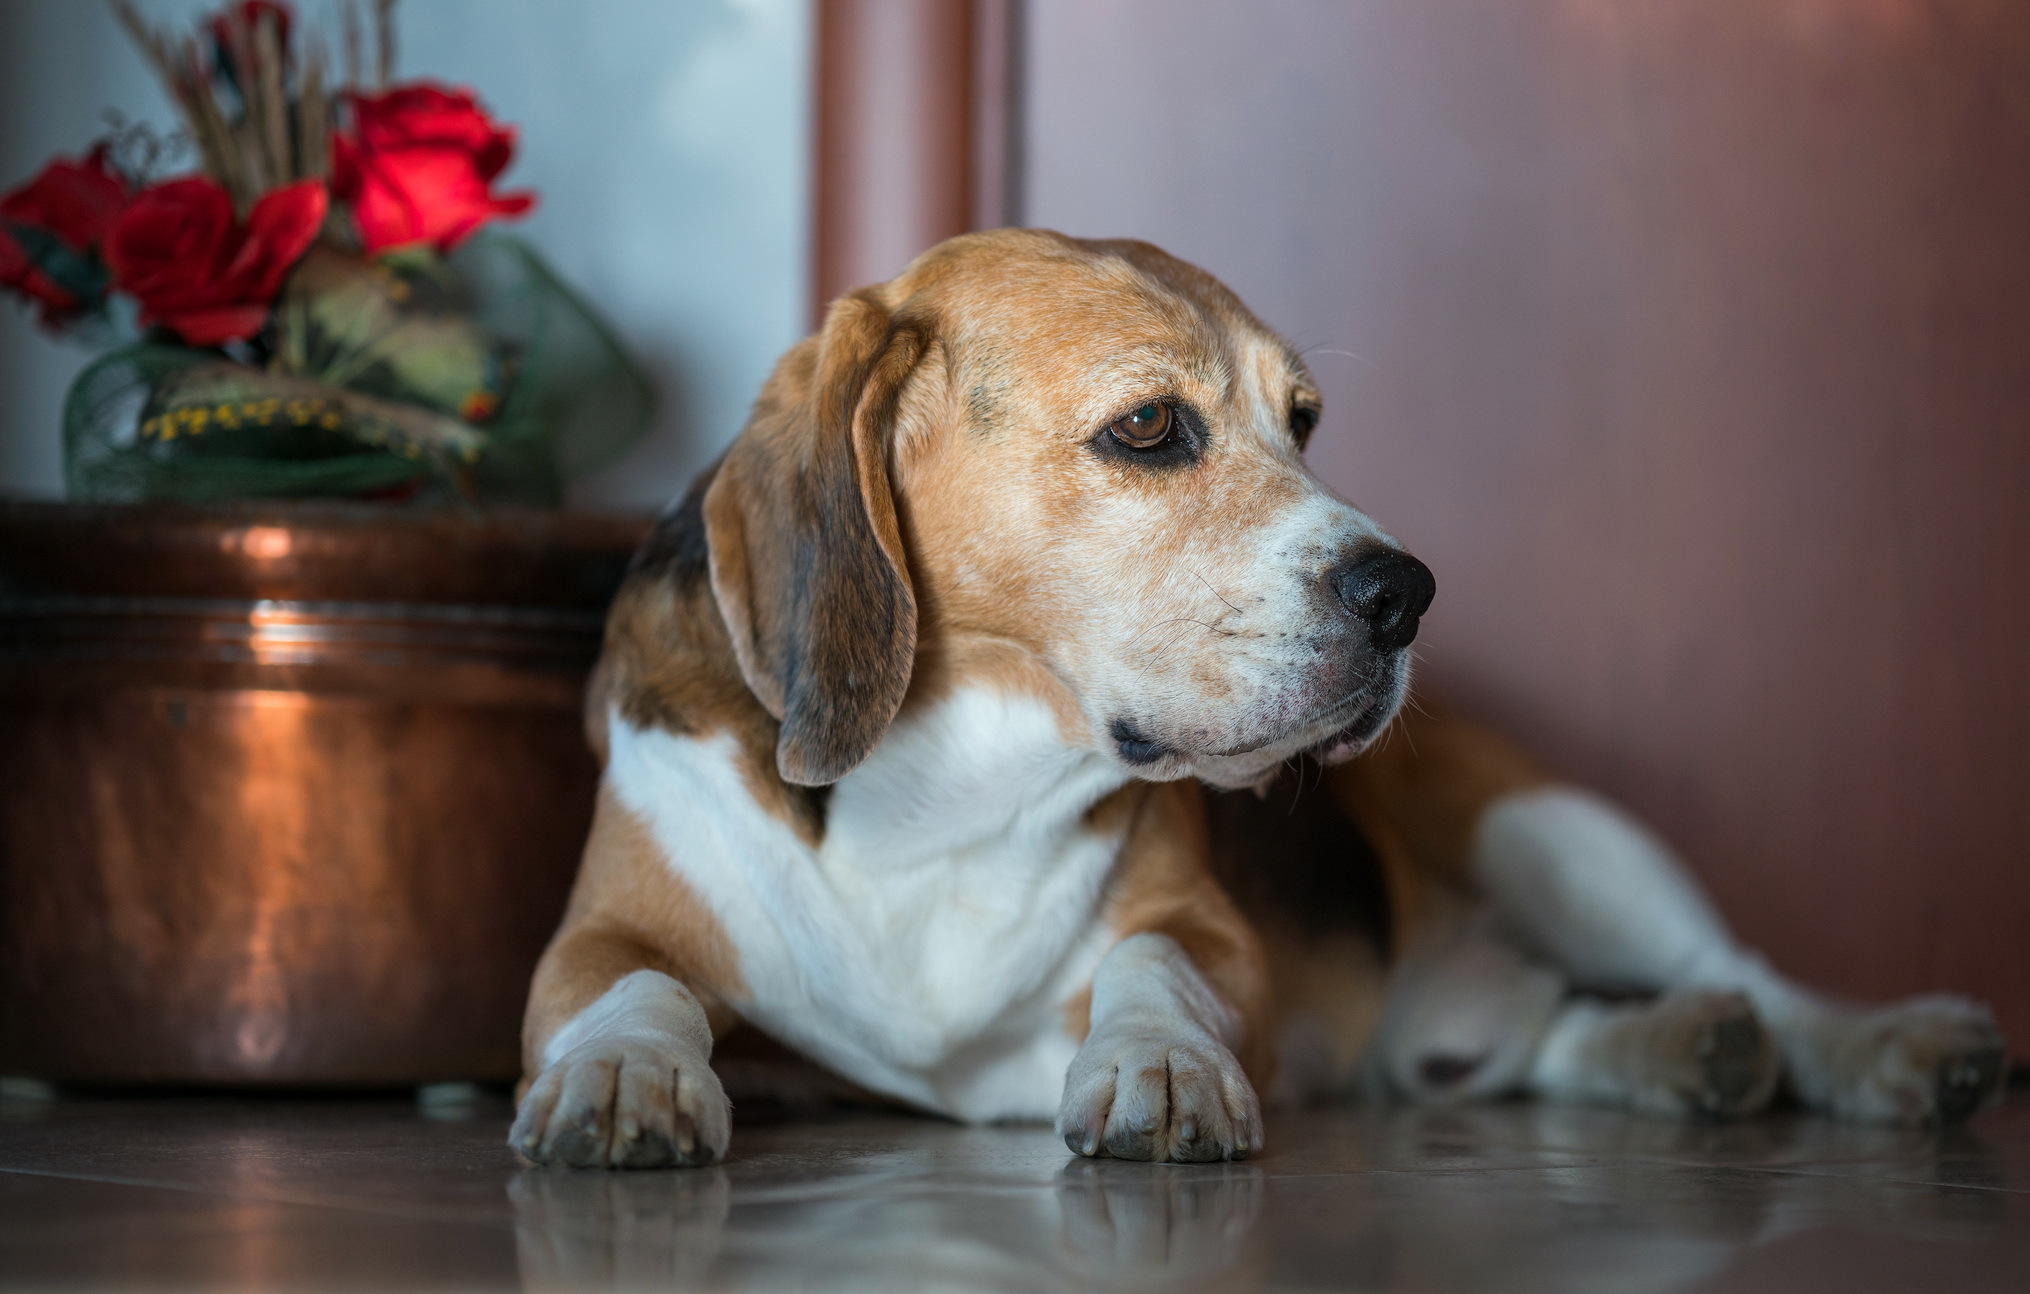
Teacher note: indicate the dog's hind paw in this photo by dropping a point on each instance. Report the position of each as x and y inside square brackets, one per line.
[1694, 1054]
[1713, 1058]
[624, 1103]
[1931, 1059]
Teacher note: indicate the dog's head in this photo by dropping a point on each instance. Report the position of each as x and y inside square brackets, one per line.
[1090, 450]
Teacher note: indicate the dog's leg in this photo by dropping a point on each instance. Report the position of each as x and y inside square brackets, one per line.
[622, 1057]
[1472, 1016]
[1179, 1009]
[1584, 882]
[1156, 1077]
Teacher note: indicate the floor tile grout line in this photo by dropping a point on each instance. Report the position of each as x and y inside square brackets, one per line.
[1785, 1171]
[1691, 1157]
[338, 1202]
[1795, 1170]
[762, 1195]
[1648, 1157]
[1804, 1169]
[1152, 1173]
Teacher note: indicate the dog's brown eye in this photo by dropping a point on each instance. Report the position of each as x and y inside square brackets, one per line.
[1145, 428]
[1303, 421]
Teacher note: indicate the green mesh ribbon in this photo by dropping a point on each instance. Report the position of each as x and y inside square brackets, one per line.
[479, 376]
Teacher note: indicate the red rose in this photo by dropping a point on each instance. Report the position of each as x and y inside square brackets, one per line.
[50, 231]
[419, 166]
[76, 201]
[196, 269]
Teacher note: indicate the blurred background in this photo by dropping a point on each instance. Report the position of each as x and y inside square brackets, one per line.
[670, 143]
[1687, 340]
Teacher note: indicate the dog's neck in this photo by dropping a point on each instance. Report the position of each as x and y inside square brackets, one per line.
[980, 768]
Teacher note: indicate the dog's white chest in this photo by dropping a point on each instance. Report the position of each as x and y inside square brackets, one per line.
[928, 947]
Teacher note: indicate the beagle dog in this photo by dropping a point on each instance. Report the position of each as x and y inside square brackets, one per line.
[997, 727]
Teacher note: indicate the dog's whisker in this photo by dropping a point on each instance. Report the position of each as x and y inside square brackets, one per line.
[1215, 592]
[1321, 350]
[1189, 620]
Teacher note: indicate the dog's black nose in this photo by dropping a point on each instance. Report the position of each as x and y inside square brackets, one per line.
[1389, 590]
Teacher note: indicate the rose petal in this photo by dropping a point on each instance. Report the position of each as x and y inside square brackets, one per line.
[418, 166]
[280, 228]
[78, 201]
[195, 269]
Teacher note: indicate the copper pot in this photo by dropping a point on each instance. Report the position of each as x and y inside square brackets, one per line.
[289, 794]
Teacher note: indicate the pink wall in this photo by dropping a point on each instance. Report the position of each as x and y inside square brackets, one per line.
[1689, 342]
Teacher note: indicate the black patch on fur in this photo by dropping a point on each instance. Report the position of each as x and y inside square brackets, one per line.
[677, 547]
[1298, 853]
[983, 408]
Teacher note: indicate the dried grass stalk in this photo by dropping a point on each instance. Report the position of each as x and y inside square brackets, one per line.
[255, 164]
[355, 69]
[384, 42]
[170, 59]
[273, 111]
[273, 141]
[225, 160]
[313, 119]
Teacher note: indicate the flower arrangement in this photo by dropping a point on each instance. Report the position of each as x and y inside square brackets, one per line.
[325, 308]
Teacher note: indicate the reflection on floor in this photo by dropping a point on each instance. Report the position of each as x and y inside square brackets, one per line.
[198, 1193]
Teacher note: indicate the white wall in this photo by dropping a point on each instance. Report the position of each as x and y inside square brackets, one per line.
[668, 142]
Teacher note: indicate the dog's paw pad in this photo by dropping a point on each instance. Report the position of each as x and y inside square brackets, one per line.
[1703, 1055]
[1967, 1079]
[1737, 1063]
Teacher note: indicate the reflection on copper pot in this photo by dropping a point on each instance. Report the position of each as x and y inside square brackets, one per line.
[288, 794]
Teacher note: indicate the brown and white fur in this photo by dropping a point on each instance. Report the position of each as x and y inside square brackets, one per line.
[909, 713]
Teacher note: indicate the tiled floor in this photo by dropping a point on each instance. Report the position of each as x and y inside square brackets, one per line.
[199, 1193]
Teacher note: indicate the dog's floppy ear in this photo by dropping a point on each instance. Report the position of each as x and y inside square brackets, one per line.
[806, 555]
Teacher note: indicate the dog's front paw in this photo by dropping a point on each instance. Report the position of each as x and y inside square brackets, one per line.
[1924, 1060]
[624, 1103]
[1149, 1096]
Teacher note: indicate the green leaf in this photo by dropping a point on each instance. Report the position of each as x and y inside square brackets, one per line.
[81, 275]
[403, 336]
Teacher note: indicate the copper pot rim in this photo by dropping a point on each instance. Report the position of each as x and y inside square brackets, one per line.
[317, 552]
[43, 629]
